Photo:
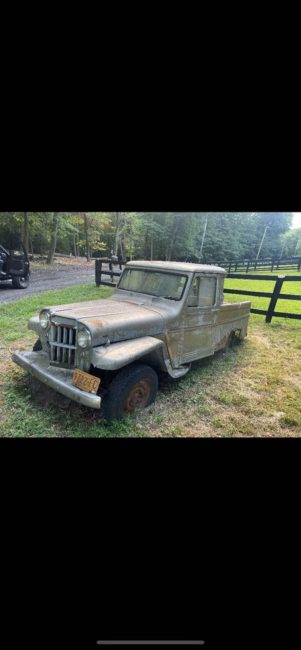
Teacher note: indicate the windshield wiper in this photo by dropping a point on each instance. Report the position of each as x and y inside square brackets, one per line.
[169, 297]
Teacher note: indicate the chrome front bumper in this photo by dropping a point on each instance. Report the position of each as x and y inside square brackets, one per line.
[60, 379]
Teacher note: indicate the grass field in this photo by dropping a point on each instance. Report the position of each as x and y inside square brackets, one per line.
[252, 390]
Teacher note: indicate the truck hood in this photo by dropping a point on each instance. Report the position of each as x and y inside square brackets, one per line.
[115, 320]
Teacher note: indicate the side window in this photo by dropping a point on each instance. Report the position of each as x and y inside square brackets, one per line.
[207, 292]
[193, 296]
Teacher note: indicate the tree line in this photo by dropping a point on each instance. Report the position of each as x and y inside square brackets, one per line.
[190, 236]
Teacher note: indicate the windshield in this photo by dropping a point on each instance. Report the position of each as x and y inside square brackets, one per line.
[154, 283]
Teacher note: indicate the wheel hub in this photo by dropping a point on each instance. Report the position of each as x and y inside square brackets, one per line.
[137, 397]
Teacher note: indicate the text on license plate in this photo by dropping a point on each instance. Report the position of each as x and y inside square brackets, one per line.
[85, 381]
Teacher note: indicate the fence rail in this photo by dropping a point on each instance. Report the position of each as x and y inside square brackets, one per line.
[275, 295]
[285, 263]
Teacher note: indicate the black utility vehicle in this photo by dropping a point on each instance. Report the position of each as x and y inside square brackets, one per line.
[14, 262]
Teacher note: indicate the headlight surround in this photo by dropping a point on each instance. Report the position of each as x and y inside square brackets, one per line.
[45, 317]
[84, 338]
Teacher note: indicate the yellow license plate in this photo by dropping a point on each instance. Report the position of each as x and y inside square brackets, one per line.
[85, 381]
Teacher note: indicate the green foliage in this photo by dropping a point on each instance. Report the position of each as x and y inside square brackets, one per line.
[159, 235]
[291, 242]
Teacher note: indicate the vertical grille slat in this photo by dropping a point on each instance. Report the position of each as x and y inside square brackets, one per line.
[62, 345]
[69, 357]
[53, 333]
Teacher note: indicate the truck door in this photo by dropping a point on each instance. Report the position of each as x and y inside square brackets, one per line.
[199, 318]
[18, 261]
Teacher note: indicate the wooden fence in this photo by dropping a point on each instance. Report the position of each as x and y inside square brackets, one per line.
[287, 263]
[100, 271]
[275, 295]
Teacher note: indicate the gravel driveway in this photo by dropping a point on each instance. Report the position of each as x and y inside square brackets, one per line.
[53, 278]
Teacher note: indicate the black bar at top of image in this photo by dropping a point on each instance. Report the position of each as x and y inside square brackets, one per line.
[151, 643]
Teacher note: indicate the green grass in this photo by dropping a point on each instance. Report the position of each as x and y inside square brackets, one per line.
[21, 416]
[14, 316]
[253, 390]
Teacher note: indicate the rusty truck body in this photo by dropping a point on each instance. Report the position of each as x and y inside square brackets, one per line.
[162, 316]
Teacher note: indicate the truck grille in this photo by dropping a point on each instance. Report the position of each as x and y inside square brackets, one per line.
[62, 341]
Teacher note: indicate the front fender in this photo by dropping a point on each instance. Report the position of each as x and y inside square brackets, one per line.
[34, 324]
[118, 355]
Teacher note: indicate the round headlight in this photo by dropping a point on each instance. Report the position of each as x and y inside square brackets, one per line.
[45, 318]
[84, 338]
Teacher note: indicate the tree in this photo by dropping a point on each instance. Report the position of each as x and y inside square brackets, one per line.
[86, 226]
[208, 236]
[26, 232]
[291, 243]
[203, 238]
[117, 233]
[54, 229]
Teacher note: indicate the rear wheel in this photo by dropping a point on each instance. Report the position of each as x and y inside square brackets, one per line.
[21, 282]
[234, 339]
[134, 388]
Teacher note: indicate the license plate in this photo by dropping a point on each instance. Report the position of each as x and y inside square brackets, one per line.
[85, 381]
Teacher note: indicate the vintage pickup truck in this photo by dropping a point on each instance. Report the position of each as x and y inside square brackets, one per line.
[161, 317]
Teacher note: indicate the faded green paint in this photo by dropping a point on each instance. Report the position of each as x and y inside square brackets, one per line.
[167, 334]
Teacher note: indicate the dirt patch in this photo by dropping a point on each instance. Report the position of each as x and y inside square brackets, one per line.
[60, 262]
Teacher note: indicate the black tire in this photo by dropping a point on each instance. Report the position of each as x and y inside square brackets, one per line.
[233, 340]
[37, 346]
[133, 388]
[21, 282]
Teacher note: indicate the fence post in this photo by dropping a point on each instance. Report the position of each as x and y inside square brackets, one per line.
[274, 298]
[299, 265]
[230, 267]
[111, 269]
[97, 272]
[272, 267]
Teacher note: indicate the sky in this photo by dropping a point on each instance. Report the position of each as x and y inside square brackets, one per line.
[296, 220]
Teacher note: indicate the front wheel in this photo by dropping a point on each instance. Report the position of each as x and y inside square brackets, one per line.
[21, 282]
[134, 388]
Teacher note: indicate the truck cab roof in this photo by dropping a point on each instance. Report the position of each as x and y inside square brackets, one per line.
[187, 267]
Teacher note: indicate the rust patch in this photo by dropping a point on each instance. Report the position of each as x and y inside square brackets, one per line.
[96, 322]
